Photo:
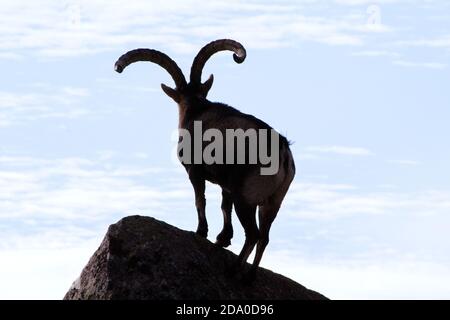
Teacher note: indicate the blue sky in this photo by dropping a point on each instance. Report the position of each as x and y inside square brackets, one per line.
[360, 87]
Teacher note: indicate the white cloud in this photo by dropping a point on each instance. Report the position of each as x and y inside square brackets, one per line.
[405, 162]
[365, 2]
[21, 107]
[48, 274]
[83, 27]
[428, 65]
[73, 91]
[334, 201]
[55, 211]
[358, 280]
[341, 150]
[10, 56]
[141, 155]
[74, 187]
[437, 42]
[43, 273]
[375, 53]
[307, 156]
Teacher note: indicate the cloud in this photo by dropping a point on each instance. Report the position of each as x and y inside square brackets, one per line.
[42, 103]
[51, 272]
[10, 56]
[358, 280]
[141, 155]
[42, 274]
[365, 2]
[53, 213]
[437, 42]
[335, 201]
[81, 27]
[428, 65]
[74, 187]
[405, 162]
[307, 156]
[87, 27]
[442, 43]
[77, 92]
[375, 53]
[341, 150]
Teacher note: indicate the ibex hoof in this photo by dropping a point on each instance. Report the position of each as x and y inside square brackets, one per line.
[202, 233]
[223, 242]
[224, 238]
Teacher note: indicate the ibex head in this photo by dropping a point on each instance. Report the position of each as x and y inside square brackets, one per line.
[195, 88]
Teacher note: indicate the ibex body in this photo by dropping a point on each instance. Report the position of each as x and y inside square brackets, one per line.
[242, 185]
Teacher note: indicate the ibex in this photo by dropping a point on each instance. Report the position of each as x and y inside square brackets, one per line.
[242, 185]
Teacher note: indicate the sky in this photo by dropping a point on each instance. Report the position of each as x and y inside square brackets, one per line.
[360, 87]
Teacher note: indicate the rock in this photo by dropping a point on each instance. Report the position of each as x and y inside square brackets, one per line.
[143, 258]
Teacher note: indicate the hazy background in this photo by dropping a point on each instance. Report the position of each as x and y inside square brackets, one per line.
[360, 87]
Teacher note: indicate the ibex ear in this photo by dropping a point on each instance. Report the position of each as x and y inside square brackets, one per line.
[205, 87]
[171, 92]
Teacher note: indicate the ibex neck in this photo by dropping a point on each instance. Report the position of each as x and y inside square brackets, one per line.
[190, 110]
[182, 109]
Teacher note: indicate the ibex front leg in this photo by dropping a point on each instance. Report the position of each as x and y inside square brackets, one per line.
[224, 237]
[198, 182]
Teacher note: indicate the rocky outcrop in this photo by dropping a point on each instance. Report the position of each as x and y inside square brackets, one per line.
[143, 258]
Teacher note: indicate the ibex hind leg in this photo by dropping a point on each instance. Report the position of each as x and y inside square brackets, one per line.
[267, 214]
[247, 216]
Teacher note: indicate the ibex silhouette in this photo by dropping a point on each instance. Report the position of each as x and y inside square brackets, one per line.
[242, 185]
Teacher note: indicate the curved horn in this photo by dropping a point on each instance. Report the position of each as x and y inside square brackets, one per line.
[211, 48]
[154, 56]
